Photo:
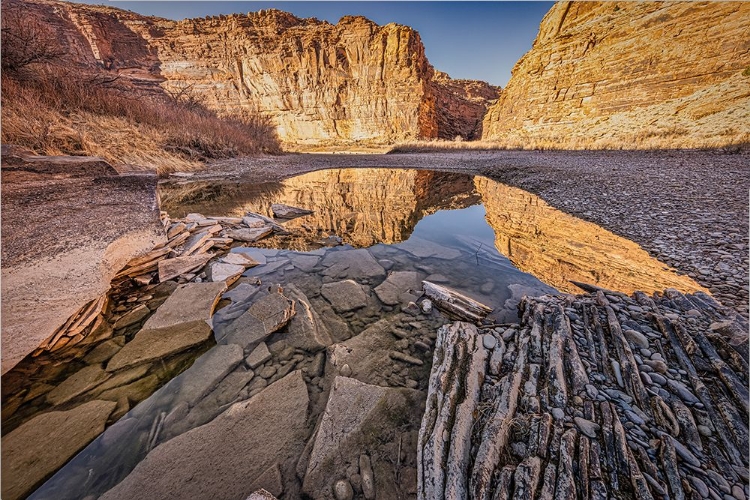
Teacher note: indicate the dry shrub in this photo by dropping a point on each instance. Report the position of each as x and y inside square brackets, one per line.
[55, 108]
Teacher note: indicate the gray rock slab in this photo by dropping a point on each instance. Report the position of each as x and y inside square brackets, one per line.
[422, 248]
[132, 317]
[305, 263]
[260, 355]
[345, 295]
[253, 253]
[396, 284]
[83, 380]
[224, 458]
[356, 417]
[249, 235]
[172, 268]
[156, 343]
[222, 271]
[265, 316]
[207, 371]
[306, 330]
[188, 303]
[45, 443]
[352, 264]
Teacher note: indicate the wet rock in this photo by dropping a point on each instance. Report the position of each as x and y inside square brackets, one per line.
[242, 443]
[122, 377]
[46, 442]
[306, 330]
[156, 343]
[207, 371]
[356, 416]
[281, 211]
[132, 317]
[423, 249]
[83, 380]
[344, 295]
[259, 356]
[396, 285]
[103, 352]
[352, 264]
[265, 316]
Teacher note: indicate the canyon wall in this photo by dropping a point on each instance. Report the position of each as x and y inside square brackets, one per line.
[630, 75]
[350, 82]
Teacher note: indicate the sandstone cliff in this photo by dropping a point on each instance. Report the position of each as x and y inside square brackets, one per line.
[630, 74]
[353, 81]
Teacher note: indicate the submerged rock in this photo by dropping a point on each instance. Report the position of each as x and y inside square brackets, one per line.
[225, 457]
[344, 295]
[352, 264]
[45, 443]
[397, 284]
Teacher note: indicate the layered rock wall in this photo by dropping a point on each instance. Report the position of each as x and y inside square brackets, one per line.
[353, 81]
[628, 75]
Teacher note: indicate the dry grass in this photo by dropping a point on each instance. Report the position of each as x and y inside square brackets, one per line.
[52, 110]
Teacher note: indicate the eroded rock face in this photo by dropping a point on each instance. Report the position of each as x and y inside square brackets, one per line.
[352, 81]
[629, 75]
[65, 237]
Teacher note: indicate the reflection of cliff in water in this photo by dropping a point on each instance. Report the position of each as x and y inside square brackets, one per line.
[362, 206]
[557, 247]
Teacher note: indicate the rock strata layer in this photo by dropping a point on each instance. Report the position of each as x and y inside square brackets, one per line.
[630, 75]
[319, 82]
[592, 396]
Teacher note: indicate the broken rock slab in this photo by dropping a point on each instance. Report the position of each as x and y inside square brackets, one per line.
[265, 316]
[151, 344]
[353, 264]
[306, 330]
[188, 303]
[224, 458]
[249, 235]
[207, 371]
[64, 239]
[83, 380]
[397, 284]
[239, 259]
[172, 268]
[356, 418]
[345, 295]
[223, 272]
[45, 443]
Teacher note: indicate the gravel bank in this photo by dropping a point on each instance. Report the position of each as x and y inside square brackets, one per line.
[687, 208]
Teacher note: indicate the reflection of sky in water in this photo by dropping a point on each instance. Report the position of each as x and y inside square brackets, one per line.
[444, 225]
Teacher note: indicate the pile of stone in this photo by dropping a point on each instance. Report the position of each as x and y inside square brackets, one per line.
[596, 396]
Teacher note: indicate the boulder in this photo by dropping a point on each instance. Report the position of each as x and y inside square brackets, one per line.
[356, 419]
[224, 458]
[45, 443]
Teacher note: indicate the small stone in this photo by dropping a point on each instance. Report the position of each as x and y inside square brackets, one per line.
[682, 391]
[636, 338]
[557, 413]
[267, 372]
[346, 371]
[738, 493]
[411, 308]
[705, 431]
[368, 479]
[699, 485]
[489, 341]
[588, 427]
[426, 306]
[658, 378]
[342, 490]
[259, 356]
[618, 373]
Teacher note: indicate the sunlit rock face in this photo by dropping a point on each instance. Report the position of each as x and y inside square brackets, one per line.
[630, 75]
[350, 82]
[558, 248]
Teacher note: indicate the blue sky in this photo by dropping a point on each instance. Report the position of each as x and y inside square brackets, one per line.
[475, 40]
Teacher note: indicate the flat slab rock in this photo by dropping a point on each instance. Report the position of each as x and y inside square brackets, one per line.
[265, 316]
[344, 296]
[352, 264]
[224, 458]
[425, 249]
[45, 443]
[356, 416]
[396, 284]
[172, 268]
[207, 371]
[83, 380]
[281, 211]
[188, 303]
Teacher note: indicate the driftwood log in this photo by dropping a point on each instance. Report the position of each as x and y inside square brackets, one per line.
[456, 305]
